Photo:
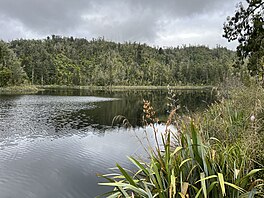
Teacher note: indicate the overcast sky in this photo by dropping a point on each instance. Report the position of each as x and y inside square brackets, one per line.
[155, 22]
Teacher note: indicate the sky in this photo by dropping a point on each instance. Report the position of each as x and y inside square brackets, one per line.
[162, 23]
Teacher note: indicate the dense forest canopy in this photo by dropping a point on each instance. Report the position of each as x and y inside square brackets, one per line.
[11, 72]
[60, 60]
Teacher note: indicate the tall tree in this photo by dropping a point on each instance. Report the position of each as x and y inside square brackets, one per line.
[11, 72]
[247, 27]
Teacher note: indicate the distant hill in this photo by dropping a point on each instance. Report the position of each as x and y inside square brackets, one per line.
[77, 61]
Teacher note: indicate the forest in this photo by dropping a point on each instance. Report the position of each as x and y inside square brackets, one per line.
[60, 60]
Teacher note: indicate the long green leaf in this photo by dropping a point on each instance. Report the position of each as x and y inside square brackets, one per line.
[198, 193]
[126, 175]
[173, 183]
[116, 184]
[139, 165]
[179, 148]
[252, 172]
[244, 180]
[126, 186]
[206, 178]
[184, 161]
[222, 183]
[202, 176]
[158, 176]
[235, 187]
[195, 144]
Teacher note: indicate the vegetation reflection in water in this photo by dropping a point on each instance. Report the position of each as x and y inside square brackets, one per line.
[129, 104]
[67, 135]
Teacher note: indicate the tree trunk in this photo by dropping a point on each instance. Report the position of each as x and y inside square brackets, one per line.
[32, 76]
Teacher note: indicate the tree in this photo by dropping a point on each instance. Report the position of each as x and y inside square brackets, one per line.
[247, 27]
[5, 75]
[77, 61]
[11, 72]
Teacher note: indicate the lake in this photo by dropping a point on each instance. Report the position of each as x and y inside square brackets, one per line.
[53, 143]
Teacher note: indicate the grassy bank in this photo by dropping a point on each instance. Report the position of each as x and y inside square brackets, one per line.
[238, 120]
[216, 153]
[24, 89]
[124, 88]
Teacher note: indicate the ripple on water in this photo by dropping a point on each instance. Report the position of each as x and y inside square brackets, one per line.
[65, 166]
[49, 148]
[44, 115]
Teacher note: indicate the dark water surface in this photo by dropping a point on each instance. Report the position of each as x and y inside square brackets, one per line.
[53, 144]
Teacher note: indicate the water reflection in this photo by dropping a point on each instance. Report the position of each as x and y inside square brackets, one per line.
[64, 167]
[60, 112]
[33, 115]
[130, 105]
[53, 144]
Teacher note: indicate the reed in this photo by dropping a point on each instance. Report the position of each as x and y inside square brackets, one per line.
[187, 164]
[239, 119]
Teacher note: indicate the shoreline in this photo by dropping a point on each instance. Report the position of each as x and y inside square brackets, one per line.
[17, 90]
[125, 88]
[32, 89]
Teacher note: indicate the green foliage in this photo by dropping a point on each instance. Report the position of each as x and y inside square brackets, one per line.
[67, 73]
[191, 168]
[20, 89]
[192, 162]
[238, 119]
[5, 75]
[247, 26]
[218, 154]
[73, 61]
[11, 72]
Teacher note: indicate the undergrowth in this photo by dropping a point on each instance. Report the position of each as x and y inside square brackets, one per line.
[218, 153]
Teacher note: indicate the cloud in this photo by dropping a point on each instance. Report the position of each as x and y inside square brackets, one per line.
[203, 29]
[150, 21]
[45, 16]
[119, 21]
[13, 29]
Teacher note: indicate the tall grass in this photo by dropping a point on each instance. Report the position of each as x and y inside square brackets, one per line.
[192, 162]
[240, 119]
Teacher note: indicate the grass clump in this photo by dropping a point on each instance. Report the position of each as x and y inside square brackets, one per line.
[206, 157]
[239, 119]
[22, 89]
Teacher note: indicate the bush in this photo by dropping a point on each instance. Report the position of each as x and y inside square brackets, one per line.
[238, 119]
[187, 164]
[5, 75]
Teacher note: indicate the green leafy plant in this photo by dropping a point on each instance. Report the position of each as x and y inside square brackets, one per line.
[187, 165]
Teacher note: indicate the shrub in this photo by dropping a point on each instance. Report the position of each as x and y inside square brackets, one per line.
[188, 165]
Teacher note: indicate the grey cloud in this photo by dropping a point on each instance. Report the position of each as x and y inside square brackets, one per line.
[180, 8]
[118, 20]
[51, 15]
[122, 22]
[12, 29]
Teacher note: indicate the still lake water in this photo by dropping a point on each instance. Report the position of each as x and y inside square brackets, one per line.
[52, 144]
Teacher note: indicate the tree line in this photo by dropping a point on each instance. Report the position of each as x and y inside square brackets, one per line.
[60, 60]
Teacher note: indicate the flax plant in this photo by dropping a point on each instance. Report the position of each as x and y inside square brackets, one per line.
[186, 164]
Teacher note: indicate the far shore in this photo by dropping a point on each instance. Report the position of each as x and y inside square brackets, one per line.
[31, 89]
[124, 88]
[24, 89]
